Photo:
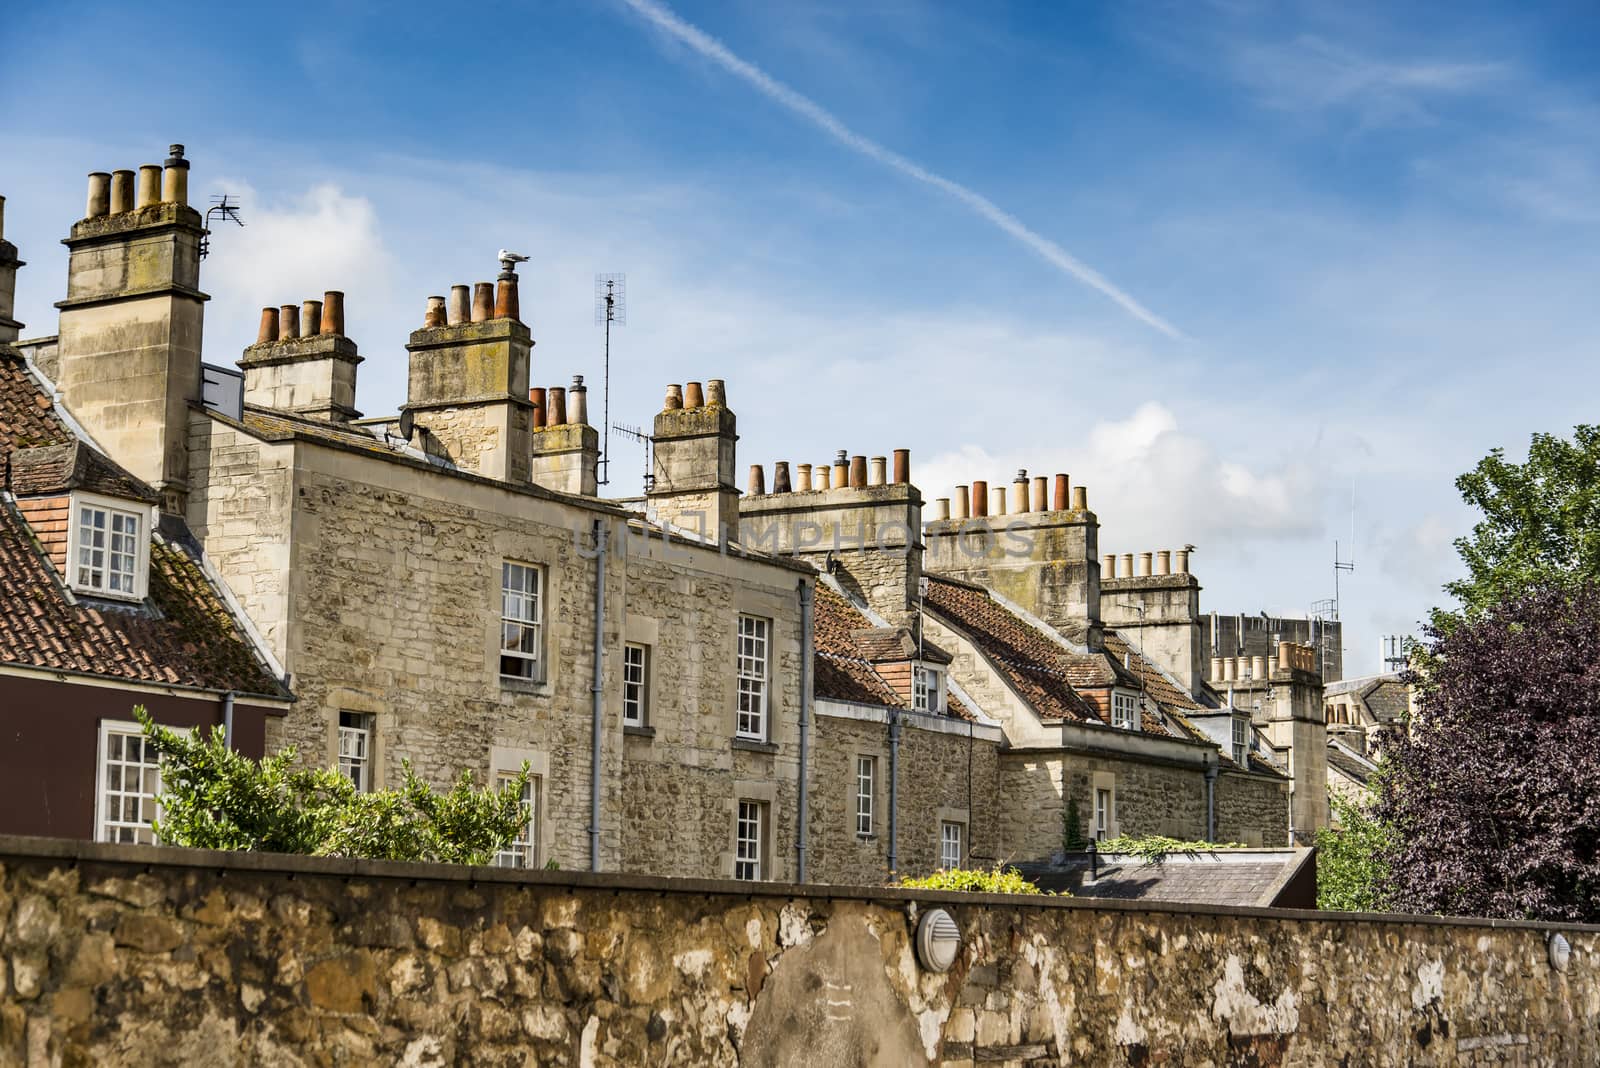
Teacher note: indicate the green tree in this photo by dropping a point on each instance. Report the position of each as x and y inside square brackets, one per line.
[1352, 874]
[215, 798]
[1540, 525]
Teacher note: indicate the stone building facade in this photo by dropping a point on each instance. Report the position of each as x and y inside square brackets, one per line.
[701, 682]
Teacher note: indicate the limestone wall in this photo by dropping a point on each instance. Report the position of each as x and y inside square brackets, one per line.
[1252, 809]
[385, 601]
[133, 956]
[942, 776]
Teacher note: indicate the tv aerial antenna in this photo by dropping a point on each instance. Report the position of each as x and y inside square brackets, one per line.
[223, 207]
[644, 439]
[610, 306]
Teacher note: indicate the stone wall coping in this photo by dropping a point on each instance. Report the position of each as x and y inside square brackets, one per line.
[865, 713]
[14, 848]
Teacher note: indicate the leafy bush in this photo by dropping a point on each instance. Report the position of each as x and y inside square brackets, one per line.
[1351, 873]
[1072, 837]
[976, 880]
[1154, 848]
[215, 798]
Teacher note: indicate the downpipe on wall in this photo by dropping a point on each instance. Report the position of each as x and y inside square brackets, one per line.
[597, 690]
[805, 728]
[1211, 800]
[227, 719]
[894, 790]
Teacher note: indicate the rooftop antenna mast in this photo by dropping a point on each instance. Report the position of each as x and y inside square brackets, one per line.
[640, 436]
[220, 205]
[610, 306]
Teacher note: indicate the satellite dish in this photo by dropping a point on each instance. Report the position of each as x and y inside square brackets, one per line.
[408, 423]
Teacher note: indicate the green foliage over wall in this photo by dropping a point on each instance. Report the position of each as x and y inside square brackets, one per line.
[976, 880]
[1352, 875]
[214, 798]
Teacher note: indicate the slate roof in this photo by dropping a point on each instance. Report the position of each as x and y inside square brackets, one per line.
[1033, 663]
[842, 637]
[1253, 878]
[1349, 764]
[182, 634]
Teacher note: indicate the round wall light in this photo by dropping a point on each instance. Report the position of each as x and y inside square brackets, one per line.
[938, 940]
[1560, 951]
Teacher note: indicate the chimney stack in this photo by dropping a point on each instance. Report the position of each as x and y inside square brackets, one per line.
[693, 485]
[302, 362]
[566, 449]
[131, 327]
[468, 384]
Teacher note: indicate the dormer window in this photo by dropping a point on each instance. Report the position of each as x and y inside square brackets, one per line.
[108, 547]
[1124, 711]
[927, 690]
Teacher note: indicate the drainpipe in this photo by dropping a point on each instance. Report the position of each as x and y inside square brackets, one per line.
[597, 690]
[1211, 802]
[227, 719]
[894, 786]
[805, 727]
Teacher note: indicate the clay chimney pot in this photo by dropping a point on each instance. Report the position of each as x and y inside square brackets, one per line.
[780, 477]
[694, 396]
[674, 399]
[267, 332]
[758, 480]
[288, 321]
[333, 312]
[482, 301]
[460, 305]
[1059, 504]
[435, 315]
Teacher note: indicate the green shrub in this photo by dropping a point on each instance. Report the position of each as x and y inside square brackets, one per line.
[215, 798]
[976, 880]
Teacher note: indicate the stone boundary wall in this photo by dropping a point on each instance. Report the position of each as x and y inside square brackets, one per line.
[144, 956]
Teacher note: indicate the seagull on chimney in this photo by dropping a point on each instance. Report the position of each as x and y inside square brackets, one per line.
[509, 259]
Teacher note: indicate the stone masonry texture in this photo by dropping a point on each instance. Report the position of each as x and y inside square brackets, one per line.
[138, 956]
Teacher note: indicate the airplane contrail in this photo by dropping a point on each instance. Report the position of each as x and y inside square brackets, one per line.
[711, 48]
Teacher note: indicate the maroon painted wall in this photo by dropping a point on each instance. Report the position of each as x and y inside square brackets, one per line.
[49, 743]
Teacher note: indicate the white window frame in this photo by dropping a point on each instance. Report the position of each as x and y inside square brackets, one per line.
[927, 689]
[522, 851]
[1124, 710]
[1241, 740]
[635, 684]
[367, 736]
[145, 518]
[533, 623]
[1105, 800]
[749, 839]
[125, 728]
[866, 789]
[754, 668]
[952, 844]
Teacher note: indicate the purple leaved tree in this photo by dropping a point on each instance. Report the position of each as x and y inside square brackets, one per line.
[1493, 797]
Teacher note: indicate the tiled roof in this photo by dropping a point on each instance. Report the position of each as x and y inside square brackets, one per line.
[1034, 664]
[27, 419]
[73, 465]
[1254, 877]
[182, 634]
[841, 635]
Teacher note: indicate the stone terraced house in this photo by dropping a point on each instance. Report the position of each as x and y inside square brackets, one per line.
[810, 683]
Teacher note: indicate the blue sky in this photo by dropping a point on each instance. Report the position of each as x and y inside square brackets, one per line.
[1370, 229]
